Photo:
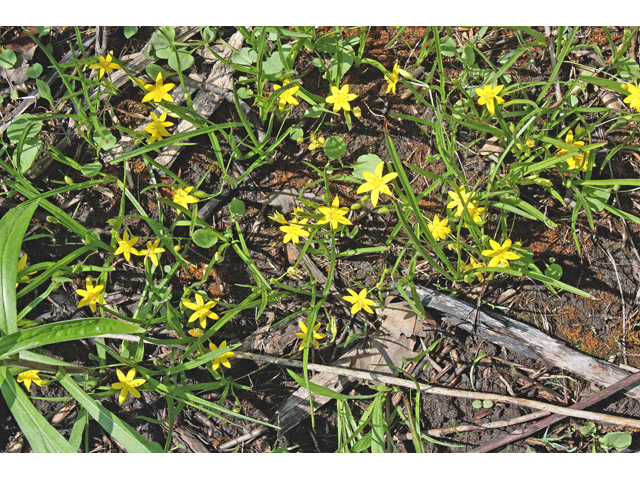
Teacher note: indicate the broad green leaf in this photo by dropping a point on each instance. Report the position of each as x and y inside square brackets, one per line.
[91, 169]
[246, 56]
[334, 147]
[448, 47]
[130, 31]
[186, 59]
[366, 163]
[28, 154]
[45, 91]
[204, 238]
[7, 58]
[62, 332]
[236, 207]
[596, 198]
[126, 435]
[588, 429]
[554, 271]
[617, 440]
[13, 226]
[24, 121]
[104, 139]
[34, 71]
[42, 437]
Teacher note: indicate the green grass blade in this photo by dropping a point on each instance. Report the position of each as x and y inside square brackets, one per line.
[13, 227]
[377, 426]
[126, 435]
[42, 437]
[63, 332]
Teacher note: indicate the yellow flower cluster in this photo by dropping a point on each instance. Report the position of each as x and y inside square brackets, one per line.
[126, 248]
[463, 202]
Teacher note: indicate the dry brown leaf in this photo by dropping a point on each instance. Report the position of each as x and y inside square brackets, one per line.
[393, 342]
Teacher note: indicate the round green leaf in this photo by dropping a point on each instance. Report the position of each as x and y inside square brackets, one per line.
[246, 56]
[104, 139]
[334, 147]
[366, 163]
[24, 121]
[477, 404]
[130, 31]
[554, 271]
[91, 169]
[7, 58]
[487, 403]
[296, 133]
[617, 440]
[186, 59]
[34, 71]
[236, 207]
[42, 31]
[30, 150]
[204, 238]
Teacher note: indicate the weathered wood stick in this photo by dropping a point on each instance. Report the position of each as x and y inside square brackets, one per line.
[523, 339]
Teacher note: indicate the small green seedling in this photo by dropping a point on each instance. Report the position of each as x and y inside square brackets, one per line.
[482, 404]
[618, 440]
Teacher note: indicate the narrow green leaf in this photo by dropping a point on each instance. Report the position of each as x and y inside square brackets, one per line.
[75, 438]
[45, 91]
[126, 435]
[63, 332]
[377, 426]
[13, 226]
[42, 437]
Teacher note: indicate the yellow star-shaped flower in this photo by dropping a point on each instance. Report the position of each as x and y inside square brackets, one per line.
[159, 91]
[287, 96]
[126, 246]
[182, 197]
[28, 377]
[295, 230]
[315, 336]
[152, 252]
[376, 183]
[22, 264]
[487, 95]
[278, 217]
[500, 254]
[127, 385]
[196, 332]
[577, 161]
[334, 214]
[459, 200]
[158, 127]
[105, 64]
[392, 79]
[341, 98]
[201, 310]
[472, 266]
[91, 295]
[359, 300]
[438, 228]
[222, 359]
[633, 99]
